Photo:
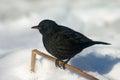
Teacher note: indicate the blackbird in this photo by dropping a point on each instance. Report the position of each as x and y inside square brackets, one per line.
[63, 42]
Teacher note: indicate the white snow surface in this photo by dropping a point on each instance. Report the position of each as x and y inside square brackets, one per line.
[97, 19]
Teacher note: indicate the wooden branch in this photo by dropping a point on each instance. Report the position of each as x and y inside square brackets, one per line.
[33, 58]
[35, 51]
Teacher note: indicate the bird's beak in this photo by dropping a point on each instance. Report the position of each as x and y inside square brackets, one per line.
[35, 27]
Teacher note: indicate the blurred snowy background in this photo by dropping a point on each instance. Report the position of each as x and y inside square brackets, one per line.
[97, 19]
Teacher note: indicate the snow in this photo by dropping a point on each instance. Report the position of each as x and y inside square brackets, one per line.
[97, 19]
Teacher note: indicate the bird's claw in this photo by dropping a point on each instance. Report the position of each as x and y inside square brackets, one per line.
[57, 63]
[61, 66]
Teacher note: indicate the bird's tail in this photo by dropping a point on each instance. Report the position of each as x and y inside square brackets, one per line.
[99, 42]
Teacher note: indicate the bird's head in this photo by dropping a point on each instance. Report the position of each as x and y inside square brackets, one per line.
[46, 27]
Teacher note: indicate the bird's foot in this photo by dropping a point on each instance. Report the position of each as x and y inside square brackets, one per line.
[57, 63]
[62, 65]
[65, 62]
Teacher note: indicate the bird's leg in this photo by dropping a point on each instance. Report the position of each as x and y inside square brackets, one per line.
[57, 63]
[65, 62]
[62, 66]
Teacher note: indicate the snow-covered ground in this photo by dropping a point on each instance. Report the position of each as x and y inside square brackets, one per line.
[97, 19]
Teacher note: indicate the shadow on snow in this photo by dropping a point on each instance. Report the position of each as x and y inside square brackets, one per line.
[91, 62]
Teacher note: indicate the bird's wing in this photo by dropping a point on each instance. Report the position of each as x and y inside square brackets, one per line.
[72, 35]
[69, 39]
